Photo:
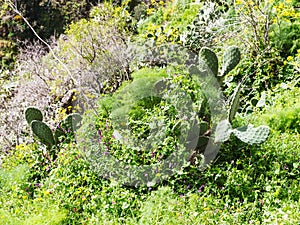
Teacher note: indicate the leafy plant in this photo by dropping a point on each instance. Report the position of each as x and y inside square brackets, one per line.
[168, 21]
[206, 28]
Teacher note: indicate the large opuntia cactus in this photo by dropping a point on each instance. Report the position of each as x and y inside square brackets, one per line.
[231, 58]
[247, 134]
[32, 113]
[43, 132]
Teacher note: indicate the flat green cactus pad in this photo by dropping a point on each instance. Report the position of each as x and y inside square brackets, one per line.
[231, 58]
[32, 113]
[71, 122]
[43, 132]
[209, 59]
[234, 103]
[251, 135]
[223, 131]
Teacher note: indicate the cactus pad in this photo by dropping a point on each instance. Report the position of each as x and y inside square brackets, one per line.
[32, 113]
[208, 58]
[234, 103]
[223, 131]
[43, 132]
[231, 58]
[71, 122]
[58, 135]
[251, 135]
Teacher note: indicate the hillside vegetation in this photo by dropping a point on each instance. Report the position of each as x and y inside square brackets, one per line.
[150, 112]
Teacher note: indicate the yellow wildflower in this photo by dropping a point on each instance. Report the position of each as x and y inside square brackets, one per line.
[238, 2]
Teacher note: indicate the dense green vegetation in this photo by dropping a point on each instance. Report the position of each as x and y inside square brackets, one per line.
[148, 82]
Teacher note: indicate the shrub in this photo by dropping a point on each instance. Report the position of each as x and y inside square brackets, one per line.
[167, 23]
[208, 29]
[94, 60]
[282, 110]
[84, 194]
[14, 194]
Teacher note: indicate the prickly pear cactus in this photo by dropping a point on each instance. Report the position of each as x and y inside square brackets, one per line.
[251, 135]
[209, 58]
[43, 132]
[32, 113]
[234, 103]
[231, 58]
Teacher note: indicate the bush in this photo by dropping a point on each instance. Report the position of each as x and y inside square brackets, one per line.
[167, 23]
[94, 60]
[85, 194]
[282, 110]
[138, 125]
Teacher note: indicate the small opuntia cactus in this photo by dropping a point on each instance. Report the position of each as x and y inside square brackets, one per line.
[34, 118]
[231, 58]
